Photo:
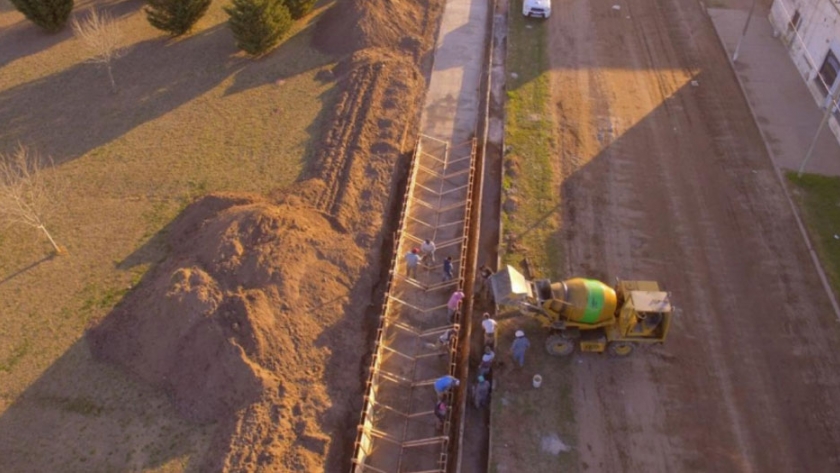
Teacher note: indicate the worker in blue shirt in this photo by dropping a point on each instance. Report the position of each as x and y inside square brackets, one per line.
[444, 384]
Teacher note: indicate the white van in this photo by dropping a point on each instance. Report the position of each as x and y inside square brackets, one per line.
[539, 8]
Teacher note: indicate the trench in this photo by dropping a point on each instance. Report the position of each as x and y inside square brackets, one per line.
[451, 194]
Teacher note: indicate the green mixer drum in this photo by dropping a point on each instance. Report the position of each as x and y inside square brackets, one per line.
[589, 301]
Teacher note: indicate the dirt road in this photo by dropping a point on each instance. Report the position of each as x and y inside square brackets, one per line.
[665, 177]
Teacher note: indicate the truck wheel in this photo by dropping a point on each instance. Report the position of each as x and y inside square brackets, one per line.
[620, 348]
[556, 345]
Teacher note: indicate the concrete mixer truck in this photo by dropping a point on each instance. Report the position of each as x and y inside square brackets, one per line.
[588, 313]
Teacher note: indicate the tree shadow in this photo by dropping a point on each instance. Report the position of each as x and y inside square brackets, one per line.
[72, 112]
[90, 417]
[24, 38]
[26, 268]
[69, 113]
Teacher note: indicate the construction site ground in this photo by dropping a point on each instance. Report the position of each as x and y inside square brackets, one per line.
[663, 175]
[193, 329]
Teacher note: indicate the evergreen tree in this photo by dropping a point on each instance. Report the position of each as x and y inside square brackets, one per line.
[299, 8]
[50, 15]
[176, 17]
[258, 25]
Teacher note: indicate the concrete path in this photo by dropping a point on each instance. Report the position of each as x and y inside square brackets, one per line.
[784, 109]
[452, 100]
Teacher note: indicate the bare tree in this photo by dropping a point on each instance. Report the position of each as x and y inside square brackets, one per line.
[102, 37]
[25, 194]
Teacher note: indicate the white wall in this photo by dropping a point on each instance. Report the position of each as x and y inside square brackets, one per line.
[819, 31]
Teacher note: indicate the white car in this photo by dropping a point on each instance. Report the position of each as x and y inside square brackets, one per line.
[539, 8]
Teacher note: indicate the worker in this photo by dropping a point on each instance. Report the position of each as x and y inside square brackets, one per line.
[447, 269]
[447, 339]
[486, 361]
[454, 304]
[484, 273]
[440, 413]
[481, 393]
[444, 384]
[520, 345]
[489, 326]
[412, 259]
[427, 252]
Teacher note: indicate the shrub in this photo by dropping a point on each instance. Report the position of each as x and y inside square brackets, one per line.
[102, 37]
[176, 17]
[50, 15]
[258, 25]
[299, 8]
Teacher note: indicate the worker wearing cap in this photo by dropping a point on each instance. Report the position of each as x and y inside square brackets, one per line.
[444, 384]
[412, 259]
[520, 345]
[481, 394]
[489, 326]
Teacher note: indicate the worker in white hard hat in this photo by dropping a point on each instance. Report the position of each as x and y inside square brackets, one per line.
[519, 347]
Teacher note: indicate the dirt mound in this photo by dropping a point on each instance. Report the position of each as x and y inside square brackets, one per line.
[242, 314]
[355, 166]
[353, 25]
[230, 293]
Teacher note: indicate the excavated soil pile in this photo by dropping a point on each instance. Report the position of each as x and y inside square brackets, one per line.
[354, 25]
[227, 302]
[248, 311]
[259, 319]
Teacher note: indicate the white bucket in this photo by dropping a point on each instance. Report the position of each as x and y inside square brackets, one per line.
[537, 380]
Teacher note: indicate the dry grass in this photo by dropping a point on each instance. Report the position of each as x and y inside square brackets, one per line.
[190, 116]
[531, 223]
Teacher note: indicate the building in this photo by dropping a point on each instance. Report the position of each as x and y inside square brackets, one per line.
[811, 31]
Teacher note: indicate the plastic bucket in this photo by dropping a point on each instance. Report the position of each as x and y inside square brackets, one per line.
[537, 380]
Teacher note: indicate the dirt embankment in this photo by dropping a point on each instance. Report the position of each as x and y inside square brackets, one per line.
[257, 319]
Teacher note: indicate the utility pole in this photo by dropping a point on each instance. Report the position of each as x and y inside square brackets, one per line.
[744, 33]
[832, 103]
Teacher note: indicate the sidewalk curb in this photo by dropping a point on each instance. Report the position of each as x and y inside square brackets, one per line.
[780, 177]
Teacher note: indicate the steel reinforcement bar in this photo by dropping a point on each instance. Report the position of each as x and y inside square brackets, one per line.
[398, 430]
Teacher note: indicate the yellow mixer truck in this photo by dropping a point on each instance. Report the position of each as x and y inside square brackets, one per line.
[588, 313]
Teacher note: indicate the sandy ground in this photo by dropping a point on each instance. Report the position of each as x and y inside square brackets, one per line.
[664, 177]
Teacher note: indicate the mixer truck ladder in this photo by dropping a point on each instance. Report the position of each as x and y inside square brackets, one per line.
[397, 431]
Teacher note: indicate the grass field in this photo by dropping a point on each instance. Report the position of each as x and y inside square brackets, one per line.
[532, 429]
[190, 116]
[818, 198]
